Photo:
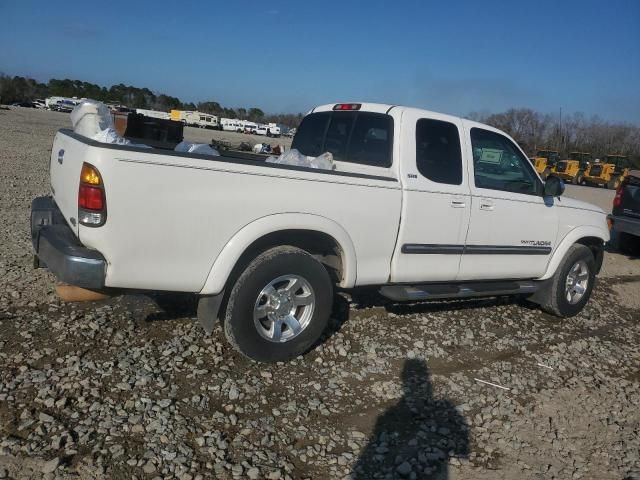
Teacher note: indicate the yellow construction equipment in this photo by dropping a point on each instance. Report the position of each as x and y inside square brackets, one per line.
[544, 161]
[608, 173]
[573, 168]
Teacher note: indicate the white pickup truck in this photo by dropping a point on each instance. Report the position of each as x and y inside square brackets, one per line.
[422, 205]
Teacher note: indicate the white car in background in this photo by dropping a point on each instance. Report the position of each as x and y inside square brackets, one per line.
[250, 127]
[268, 130]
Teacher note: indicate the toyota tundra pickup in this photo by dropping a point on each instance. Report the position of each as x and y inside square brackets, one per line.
[421, 205]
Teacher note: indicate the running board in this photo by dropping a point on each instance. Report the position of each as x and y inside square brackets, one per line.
[432, 291]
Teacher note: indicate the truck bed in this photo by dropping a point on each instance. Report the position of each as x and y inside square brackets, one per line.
[175, 213]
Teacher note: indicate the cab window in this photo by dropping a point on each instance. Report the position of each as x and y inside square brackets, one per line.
[357, 137]
[499, 165]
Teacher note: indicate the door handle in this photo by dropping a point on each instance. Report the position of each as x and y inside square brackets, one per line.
[458, 203]
[486, 205]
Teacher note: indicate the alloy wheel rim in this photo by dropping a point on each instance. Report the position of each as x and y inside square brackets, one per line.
[284, 308]
[577, 282]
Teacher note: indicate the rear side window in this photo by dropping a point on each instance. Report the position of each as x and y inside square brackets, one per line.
[356, 137]
[438, 154]
[309, 139]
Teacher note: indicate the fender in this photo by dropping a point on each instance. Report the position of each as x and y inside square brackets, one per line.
[236, 246]
[570, 238]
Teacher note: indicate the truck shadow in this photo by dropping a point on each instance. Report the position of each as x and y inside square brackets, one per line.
[172, 306]
[416, 437]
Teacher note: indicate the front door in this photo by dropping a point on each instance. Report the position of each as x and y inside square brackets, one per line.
[436, 200]
[513, 227]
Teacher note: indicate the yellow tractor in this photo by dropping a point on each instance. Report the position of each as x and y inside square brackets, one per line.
[608, 173]
[573, 168]
[544, 162]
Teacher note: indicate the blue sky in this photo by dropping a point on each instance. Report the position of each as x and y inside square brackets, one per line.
[287, 56]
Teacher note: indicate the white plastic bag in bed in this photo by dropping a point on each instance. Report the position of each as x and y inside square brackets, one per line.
[92, 119]
[201, 148]
[294, 157]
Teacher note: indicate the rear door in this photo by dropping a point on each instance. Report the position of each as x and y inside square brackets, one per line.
[513, 228]
[436, 200]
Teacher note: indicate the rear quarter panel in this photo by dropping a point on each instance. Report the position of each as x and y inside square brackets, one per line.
[170, 217]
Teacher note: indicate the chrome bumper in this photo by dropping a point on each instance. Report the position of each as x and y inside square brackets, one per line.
[57, 247]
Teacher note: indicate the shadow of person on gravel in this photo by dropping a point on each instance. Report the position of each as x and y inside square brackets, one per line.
[416, 437]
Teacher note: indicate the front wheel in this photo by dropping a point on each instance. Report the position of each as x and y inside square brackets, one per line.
[279, 306]
[571, 286]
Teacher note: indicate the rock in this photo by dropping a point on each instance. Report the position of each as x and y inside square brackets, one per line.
[404, 469]
[253, 473]
[233, 393]
[50, 466]
[149, 468]
[45, 418]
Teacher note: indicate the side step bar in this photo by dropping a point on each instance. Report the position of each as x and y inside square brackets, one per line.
[433, 291]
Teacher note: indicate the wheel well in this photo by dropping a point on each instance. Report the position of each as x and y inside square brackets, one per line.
[322, 246]
[596, 245]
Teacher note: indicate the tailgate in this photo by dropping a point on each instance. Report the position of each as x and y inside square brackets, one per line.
[66, 162]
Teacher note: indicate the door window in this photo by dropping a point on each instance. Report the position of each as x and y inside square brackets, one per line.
[438, 154]
[499, 165]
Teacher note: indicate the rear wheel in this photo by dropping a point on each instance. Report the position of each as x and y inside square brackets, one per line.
[279, 306]
[571, 286]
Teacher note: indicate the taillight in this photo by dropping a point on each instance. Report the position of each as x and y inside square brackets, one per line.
[91, 198]
[617, 200]
[92, 203]
[347, 106]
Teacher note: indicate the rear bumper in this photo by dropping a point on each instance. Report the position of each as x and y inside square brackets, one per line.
[625, 224]
[56, 246]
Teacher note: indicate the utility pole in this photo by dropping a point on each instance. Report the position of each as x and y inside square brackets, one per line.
[560, 133]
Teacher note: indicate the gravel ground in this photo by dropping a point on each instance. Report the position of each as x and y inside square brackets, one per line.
[131, 387]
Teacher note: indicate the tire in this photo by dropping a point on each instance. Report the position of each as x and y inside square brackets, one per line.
[254, 309]
[555, 301]
[627, 243]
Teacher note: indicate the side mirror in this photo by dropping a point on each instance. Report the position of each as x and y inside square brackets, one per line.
[553, 187]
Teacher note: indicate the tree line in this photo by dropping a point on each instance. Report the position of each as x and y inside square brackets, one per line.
[532, 130]
[22, 89]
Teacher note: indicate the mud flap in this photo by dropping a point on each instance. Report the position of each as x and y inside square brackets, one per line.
[541, 295]
[208, 307]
